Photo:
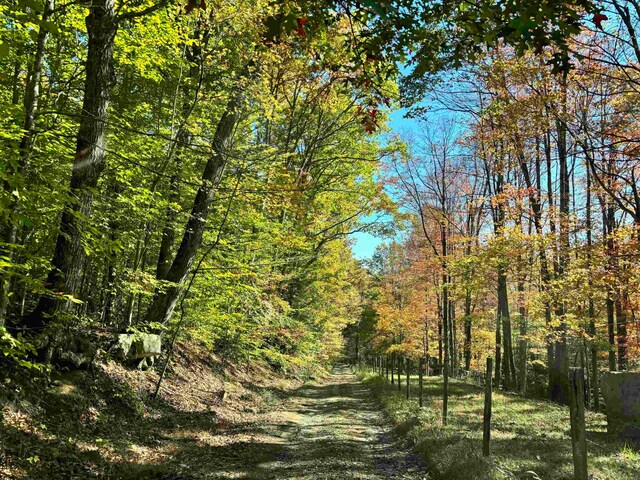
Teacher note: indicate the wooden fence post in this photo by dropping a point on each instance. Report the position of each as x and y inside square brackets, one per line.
[486, 424]
[445, 390]
[578, 430]
[408, 372]
[420, 379]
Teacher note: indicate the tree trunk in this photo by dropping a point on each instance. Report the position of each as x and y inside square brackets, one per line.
[445, 296]
[110, 293]
[440, 337]
[498, 354]
[621, 326]
[467, 331]
[594, 380]
[453, 354]
[522, 345]
[169, 232]
[182, 141]
[608, 220]
[536, 207]
[88, 164]
[165, 300]
[32, 93]
[505, 320]
[560, 366]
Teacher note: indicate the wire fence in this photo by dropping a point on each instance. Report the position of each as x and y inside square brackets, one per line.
[510, 405]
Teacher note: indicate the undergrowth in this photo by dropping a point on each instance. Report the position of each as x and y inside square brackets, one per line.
[104, 423]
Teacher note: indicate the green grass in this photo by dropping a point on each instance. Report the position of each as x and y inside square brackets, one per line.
[530, 438]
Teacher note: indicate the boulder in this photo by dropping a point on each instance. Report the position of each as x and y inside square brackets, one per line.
[621, 391]
[134, 346]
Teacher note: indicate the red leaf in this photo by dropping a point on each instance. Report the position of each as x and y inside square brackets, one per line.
[300, 30]
[191, 4]
[598, 18]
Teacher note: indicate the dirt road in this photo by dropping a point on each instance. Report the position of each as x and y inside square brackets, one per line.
[327, 430]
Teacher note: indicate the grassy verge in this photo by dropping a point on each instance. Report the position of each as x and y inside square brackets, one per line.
[530, 438]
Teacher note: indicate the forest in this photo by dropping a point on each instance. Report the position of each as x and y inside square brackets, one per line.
[186, 187]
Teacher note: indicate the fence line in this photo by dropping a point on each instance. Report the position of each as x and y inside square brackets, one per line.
[383, 365]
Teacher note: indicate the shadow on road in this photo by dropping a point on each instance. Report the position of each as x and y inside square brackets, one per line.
[329, 430]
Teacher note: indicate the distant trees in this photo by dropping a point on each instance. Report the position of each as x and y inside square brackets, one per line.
[551, 174]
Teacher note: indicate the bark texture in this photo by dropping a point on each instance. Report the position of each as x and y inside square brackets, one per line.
[88, 164]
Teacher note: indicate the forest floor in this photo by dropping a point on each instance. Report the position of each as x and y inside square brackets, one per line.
[210, 423]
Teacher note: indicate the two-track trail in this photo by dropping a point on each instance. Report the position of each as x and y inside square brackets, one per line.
[330, 429]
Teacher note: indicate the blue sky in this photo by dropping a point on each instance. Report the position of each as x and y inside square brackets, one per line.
[364, 243]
